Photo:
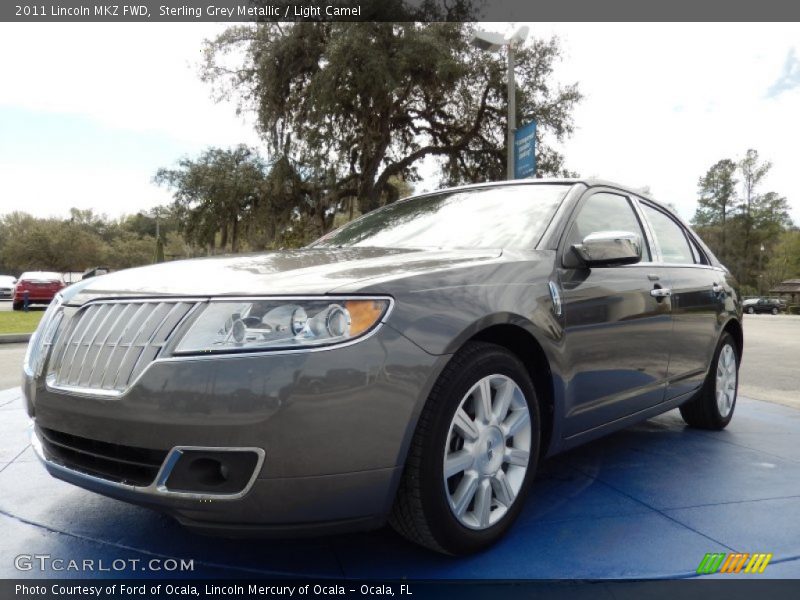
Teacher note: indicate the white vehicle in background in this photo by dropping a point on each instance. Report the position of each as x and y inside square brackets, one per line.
[7, 283]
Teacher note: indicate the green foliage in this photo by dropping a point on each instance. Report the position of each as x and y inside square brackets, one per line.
[215, 193]
[784, 258]
[85, 240]
[744, 228]
[353, 107]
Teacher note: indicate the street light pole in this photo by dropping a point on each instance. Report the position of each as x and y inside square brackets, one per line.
[491, 42]
[512, 112]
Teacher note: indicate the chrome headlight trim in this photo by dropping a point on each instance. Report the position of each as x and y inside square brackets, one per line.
[170, 354]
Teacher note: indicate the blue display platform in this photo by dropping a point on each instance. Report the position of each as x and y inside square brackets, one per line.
[648, 502]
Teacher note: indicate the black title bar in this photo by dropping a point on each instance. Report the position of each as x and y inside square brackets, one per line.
[399, 10]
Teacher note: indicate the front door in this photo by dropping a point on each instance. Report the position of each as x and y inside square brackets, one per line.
[617, 332]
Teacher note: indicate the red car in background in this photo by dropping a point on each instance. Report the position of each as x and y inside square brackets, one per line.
[41, 288]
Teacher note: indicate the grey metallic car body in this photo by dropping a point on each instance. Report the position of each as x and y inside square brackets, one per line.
[335, 423]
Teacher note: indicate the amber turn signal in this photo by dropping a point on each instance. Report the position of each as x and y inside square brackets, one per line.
[364, 314]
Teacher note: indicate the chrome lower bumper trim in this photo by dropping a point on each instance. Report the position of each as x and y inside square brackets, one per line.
[158, 487]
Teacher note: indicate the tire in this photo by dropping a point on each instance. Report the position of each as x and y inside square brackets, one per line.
[16, 305]
[751, 310]
[774, 311]
[438, 512]
[710, 410]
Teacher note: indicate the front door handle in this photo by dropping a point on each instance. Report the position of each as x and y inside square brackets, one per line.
[661, 292]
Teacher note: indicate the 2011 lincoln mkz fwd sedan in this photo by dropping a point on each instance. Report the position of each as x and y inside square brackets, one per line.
[413, 366]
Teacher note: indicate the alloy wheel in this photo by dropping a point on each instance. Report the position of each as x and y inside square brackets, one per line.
[487, 452]
[726, 380]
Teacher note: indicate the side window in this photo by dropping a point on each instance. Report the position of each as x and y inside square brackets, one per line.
[699, 257]
[674, 246]
[605, 211]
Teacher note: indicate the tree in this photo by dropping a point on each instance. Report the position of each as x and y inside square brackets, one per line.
[48, 244]
[159, 255]
[717, 190]
[216, 193]
[353, 107]
[784, 259]
[742, 229]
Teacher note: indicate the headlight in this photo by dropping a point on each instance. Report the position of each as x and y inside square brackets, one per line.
[242, 325]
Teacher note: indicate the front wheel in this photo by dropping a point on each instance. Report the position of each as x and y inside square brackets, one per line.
[473, 455]
[713, 407]
[751, 310]
[16, 305]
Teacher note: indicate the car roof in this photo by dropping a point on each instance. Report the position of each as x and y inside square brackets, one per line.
[40, 275]
[589, 182]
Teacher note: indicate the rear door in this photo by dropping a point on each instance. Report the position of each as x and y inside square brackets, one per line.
[616, 332]
[697, 297]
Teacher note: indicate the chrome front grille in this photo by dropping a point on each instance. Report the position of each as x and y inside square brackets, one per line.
[106, 345]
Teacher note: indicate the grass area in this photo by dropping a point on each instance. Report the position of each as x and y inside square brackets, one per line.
[19, 322]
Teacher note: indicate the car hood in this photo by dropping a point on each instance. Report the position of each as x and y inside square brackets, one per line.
[303, 271]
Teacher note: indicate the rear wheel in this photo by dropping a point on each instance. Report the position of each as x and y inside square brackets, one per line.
[473, 455]
[774, 311]
[713, 407]
[16, 305]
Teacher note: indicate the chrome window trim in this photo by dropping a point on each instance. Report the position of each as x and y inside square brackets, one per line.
[158, 487]
[200, 301]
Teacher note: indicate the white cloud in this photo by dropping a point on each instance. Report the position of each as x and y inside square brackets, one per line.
[663, 102]
[52, 191]
[124, 75]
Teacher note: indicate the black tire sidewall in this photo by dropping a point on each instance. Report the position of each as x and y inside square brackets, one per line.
[448, 531]
[725, 340]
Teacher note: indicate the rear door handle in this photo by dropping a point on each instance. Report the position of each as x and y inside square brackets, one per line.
[661, 293]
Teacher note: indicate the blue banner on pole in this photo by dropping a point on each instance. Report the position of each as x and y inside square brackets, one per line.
[525, 151]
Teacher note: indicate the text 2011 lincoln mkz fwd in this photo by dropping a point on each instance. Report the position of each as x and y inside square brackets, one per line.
[413, 366]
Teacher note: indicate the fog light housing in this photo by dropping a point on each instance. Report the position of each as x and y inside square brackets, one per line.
[210, 471]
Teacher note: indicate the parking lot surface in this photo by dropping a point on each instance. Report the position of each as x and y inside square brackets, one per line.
[771, 365]
[11, 356]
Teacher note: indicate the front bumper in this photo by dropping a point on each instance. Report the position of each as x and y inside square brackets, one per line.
[333, 425]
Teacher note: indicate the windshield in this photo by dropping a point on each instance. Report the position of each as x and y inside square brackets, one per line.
[490, 217]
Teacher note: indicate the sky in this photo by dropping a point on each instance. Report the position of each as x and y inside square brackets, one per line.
[89, 112]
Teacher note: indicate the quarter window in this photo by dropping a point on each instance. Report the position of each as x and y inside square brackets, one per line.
[670, 237]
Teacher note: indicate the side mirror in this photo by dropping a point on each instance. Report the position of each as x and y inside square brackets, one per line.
[607, 248]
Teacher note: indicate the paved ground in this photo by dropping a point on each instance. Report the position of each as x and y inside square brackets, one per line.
[649, 501]
[771, 365]
[11, 356]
